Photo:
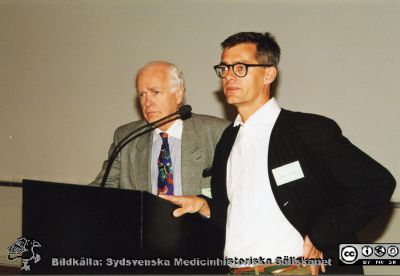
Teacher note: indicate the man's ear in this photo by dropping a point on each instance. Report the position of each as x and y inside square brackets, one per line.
[270, 75]
[179, 95]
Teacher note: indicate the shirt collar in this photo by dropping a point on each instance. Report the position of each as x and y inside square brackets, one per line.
[175, 130]
[263, 115]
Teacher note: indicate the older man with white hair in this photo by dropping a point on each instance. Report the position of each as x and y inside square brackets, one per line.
[175, 158]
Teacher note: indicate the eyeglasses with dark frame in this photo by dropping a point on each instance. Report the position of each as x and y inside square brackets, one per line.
[239, 69]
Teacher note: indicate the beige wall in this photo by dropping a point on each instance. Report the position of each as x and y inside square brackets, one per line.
[67, 70]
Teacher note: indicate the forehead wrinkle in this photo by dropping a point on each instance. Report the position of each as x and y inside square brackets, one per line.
[152, 89]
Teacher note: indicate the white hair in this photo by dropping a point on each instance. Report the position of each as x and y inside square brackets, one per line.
[176, 74]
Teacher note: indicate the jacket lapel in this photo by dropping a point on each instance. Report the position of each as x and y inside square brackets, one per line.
[192, 159]
[141, 159]
[232, 133]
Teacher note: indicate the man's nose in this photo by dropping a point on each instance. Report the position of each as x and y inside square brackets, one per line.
[229, 74]
[148, 101]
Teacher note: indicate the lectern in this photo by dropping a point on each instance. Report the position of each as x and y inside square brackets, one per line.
[89, 230]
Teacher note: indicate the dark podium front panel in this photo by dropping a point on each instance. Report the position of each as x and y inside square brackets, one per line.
[89, 230]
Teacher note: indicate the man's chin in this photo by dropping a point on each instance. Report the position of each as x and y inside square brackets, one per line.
[231, 100]
[152, 119]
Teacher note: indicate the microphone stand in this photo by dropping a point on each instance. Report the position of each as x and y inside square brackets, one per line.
[183, 113]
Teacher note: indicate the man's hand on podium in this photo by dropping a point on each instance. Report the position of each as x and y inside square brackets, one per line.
[188, 204]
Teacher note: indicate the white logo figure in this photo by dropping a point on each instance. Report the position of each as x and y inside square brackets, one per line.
[367, 251]
[393, 251]
[380, 250]
[349, 254]
[25, 250]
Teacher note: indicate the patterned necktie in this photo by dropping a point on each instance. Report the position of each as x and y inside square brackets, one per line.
[165, 174]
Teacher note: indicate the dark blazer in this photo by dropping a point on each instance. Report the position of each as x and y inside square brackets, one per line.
[342, 189]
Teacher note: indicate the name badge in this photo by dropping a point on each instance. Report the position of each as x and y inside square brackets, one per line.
[288, 173]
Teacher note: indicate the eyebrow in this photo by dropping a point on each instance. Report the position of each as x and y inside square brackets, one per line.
[151, 89]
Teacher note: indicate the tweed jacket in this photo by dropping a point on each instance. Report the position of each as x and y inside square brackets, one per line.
[132, 168]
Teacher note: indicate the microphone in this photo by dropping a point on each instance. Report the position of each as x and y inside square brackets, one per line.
[183, 113]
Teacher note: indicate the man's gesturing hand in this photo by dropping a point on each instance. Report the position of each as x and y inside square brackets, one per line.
[311, 252]
[188, 204]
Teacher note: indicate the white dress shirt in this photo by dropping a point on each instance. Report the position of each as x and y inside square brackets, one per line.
[256, 227]
[175, 142]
